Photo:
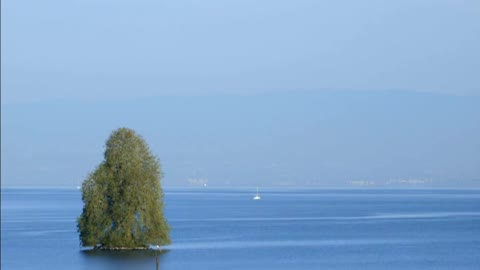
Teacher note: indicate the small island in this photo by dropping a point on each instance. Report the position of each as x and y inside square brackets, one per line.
[123, 198]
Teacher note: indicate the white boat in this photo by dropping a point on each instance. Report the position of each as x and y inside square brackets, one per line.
[257, 196]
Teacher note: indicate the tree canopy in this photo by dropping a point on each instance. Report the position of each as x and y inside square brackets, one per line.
[123, 199]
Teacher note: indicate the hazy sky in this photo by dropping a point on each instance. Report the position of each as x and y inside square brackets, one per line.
[243, 91]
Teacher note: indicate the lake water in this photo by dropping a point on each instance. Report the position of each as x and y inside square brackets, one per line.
[286, 229]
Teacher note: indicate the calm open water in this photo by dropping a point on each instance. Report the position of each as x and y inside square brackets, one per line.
[226, 229]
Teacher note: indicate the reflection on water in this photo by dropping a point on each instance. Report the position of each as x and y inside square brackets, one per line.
[123, 254]
[124, 259]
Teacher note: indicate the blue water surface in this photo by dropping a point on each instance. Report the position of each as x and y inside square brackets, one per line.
[286, 229]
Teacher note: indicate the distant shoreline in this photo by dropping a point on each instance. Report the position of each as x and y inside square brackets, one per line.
[249, 188]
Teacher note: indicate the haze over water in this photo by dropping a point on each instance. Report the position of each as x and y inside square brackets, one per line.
[286, 229]
[242, 92]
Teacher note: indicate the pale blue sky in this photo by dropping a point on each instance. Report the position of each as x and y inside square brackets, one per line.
[244, 92]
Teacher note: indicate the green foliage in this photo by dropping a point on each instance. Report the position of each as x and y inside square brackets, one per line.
[123, 199]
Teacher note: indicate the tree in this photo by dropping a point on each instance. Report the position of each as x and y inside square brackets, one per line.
[123, 199]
